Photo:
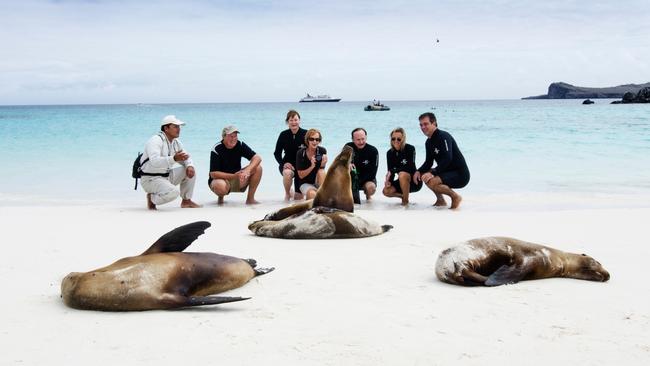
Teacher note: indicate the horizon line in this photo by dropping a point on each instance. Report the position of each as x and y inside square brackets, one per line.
[267, 102]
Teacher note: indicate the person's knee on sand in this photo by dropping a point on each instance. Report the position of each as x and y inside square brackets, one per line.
[166, 196]
[160, 190]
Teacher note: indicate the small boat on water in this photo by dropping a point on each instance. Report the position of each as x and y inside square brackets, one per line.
[319, 98]
[376, 106]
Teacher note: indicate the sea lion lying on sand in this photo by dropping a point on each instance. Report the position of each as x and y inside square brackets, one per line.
[328, 216]
[163, 277]
[497, 261]
[319, 223]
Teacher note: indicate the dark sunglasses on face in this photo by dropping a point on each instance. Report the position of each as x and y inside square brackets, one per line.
[314, 139]
[398, 139]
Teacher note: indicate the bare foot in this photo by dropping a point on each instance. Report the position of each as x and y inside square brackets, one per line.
[220, 200]
[189, 204]
[405, 203]
[297, 196]
[287, 197]
[252, 202]
[150, 204]
[455, 201]
[441, 202]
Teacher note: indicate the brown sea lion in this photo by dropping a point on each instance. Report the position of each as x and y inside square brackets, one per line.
[328, 216]
[319, 223]
[163, 277]
[335, 192]
[497, 261]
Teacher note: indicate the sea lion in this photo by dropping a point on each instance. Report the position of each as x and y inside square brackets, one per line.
[319, 223]
[335, 192]
[328, 216]
[163, 277]
[497, 261]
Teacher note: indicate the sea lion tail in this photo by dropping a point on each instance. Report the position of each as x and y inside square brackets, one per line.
[211, 300]
[385, 228]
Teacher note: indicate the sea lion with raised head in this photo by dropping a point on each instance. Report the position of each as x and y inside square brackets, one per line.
[498, 261]
[335, 192]
[319, 223]
[328, 216]
[163, 277]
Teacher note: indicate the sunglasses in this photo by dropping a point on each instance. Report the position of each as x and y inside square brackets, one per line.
[398, 139]
[314, 139]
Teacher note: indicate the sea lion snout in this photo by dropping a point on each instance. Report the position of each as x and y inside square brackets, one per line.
[346, 154]
[593, 270]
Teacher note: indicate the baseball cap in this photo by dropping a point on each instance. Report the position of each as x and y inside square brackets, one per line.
[228, 130]
[172, 119]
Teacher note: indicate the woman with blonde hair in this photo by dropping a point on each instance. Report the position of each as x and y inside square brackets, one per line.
[400, 160]
[310, 164]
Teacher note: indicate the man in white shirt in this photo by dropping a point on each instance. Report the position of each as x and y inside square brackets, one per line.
[165, 165]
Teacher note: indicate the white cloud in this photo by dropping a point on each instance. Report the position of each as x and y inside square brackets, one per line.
[166, 51]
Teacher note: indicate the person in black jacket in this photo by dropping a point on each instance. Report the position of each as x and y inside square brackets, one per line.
[290, 141]
[451, 170]
[400, 160]
[365, 161]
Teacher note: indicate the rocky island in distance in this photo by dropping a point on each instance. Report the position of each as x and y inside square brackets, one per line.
[561, 90]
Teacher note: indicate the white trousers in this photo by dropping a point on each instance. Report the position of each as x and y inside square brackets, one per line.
[163, 189]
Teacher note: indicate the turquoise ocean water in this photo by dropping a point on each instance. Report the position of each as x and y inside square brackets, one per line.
[536, 147]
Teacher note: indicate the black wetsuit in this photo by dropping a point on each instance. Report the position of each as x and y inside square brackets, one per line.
[402, 161]
[450, 163]
[227, 160]
[366, 161]
[303, 162]
[289, 144]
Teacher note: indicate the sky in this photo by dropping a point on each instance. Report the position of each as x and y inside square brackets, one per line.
[194, 51]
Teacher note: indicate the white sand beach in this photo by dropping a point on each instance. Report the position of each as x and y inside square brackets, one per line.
[331, 302]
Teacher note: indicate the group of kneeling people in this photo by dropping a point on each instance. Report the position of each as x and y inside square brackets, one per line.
[302, 161]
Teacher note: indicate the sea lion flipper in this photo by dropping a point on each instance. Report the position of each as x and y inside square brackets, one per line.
[283, 213]
[263, 271]
[471, 278]
[211, 300]
[507, 274]
[178, 239]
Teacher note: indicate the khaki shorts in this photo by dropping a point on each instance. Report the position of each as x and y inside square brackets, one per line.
[234, 186]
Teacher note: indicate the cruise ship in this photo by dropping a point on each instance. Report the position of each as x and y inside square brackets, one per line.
[318, 98]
